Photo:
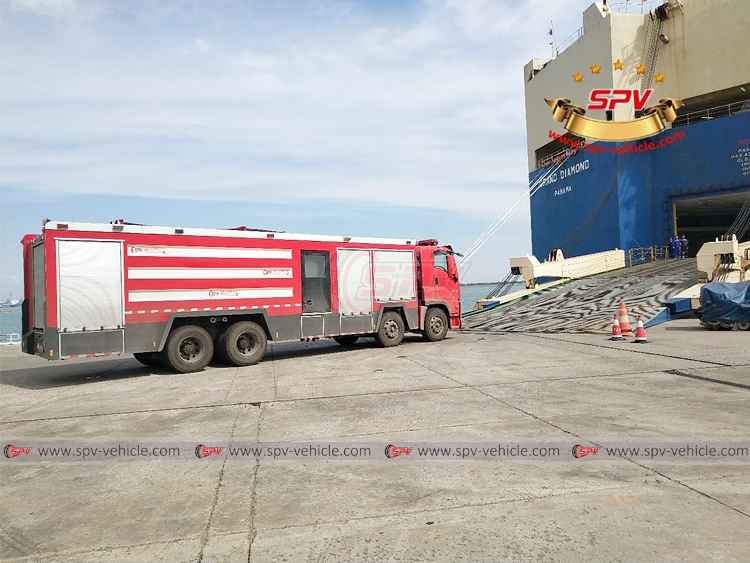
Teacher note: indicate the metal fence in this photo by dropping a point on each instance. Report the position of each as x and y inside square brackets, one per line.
[645, 254]
[9, 339]
[575, 36]
[724, 110]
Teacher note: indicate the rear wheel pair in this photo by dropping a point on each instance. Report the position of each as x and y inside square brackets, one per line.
[243, 344]
[190, 348]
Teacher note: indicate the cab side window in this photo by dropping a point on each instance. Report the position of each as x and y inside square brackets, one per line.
[441, 260]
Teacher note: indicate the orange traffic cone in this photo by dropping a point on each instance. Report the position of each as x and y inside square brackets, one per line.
[616, 332]
[625, 320]
[640, 332]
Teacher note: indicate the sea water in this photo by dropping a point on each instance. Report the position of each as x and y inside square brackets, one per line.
[10, 320]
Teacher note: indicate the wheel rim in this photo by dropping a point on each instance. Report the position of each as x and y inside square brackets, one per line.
[191, 350]
[246, 344]
[436, 324]
[390, 329]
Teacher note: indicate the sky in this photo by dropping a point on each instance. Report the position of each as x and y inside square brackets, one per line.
[368, 118]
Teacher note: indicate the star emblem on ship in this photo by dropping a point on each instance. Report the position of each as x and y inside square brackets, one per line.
[578, 77]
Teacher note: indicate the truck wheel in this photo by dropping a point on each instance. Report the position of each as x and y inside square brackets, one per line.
[435, 325]
[244, 343]
[347, 340]
[150, 359]
[391, 331]
[189, 348]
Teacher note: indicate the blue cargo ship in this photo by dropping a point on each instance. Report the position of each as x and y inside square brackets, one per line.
[621, 198]
[691, 179]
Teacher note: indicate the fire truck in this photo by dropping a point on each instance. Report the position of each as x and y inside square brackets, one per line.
[177, 296]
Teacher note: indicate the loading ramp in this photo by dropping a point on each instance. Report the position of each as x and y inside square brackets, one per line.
[588, 304]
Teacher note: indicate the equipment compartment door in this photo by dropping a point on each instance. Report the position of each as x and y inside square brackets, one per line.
[316, 282]
[394, 275]
[355, 282]
[90, 292]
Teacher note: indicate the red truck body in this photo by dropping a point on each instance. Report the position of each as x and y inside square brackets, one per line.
[104, 289]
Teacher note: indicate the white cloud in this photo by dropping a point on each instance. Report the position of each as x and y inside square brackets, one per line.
[45, 7]
[201, 45]
[422, 109]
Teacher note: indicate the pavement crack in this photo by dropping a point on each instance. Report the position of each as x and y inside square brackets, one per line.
[54, 555]
[273, 374]
[236, 373]
[223, 405]
[680, 483]
[37, 403]
[433, 510]
[217, 490]
[561, 429]
[252, 531]
[704, 378]
[631, 350]
[507, 404]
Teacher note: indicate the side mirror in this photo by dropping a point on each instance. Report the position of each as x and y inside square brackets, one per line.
[452, 269]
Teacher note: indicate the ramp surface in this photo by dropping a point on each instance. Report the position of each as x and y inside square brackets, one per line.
[589, 304]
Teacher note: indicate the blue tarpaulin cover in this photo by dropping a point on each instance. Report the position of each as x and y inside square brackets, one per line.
[726, 302]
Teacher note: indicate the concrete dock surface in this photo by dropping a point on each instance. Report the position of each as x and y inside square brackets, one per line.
[686, 382]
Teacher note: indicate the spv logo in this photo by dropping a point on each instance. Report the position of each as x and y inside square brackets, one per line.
[202, 451]
[608, 98]
[580, 451]
[12, 451]
[392, 451]
[649, 122]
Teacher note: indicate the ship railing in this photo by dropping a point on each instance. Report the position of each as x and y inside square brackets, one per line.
[557, 49]
[724, 110]
[10, 339]
[633, 6]
[645, 254]
[575, 36]
[557, 156]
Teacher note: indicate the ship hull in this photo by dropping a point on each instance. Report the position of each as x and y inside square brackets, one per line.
[629, 197]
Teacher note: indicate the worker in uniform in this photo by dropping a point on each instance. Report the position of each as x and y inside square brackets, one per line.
[676, 247]
[684, 246]
[670, 248]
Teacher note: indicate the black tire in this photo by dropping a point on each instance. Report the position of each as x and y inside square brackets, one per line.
[243, 344]
[347, 340]
[189, 348]
[435, 325]
[150, 359]
[391, 331]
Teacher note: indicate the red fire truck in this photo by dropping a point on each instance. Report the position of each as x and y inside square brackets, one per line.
[174, 296]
